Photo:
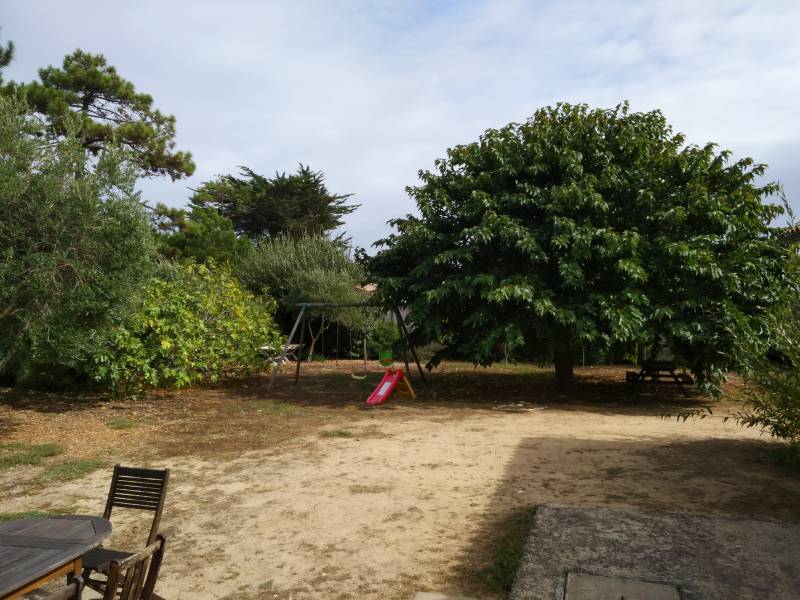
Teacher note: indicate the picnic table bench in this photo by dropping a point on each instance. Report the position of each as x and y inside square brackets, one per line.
[659, 372]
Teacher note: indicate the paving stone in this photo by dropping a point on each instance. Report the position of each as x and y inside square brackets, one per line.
[595, 587]
[705, 558]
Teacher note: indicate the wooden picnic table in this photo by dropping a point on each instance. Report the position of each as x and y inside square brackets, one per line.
[34, 551]
[659, 371]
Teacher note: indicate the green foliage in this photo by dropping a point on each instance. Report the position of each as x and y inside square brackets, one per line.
[194, 323]
[73, 249]
[109, 110]
[301, 269]
[6, 56]
[298, 204]
[316, 269]
[201, 235]
[591, 227]
[773, 396]
[381, 334]
[304, 269]
[122, 423]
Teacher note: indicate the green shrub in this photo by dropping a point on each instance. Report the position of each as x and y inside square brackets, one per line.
[773, 393]
[381, 335]
[194, 323]
[304, 269]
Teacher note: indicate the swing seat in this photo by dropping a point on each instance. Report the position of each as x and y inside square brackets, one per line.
[354, 376]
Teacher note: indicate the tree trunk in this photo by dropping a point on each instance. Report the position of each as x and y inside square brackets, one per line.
[313, 341]
[563, 363]
[314, 338]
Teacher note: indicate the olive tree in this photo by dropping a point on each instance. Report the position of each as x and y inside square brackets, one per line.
[302, 269]
[75, 244]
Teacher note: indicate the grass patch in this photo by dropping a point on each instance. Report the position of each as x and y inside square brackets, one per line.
[337, 433]
[275, 409]
[17, 453]
[122, 423]
[506, 554]
[30, 514]
[70, 469]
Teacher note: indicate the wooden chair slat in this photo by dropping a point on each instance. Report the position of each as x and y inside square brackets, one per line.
[131, 497]
[141, 472]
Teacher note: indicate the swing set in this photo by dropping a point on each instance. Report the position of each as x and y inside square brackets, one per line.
[299, 328]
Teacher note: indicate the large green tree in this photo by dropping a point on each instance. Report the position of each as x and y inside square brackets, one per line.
[297, 204]
[110, 110]
[73, 249]
[598, 227]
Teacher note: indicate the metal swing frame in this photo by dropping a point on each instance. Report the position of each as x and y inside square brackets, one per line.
[305, 308]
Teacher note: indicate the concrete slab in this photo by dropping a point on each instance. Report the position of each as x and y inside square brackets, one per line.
[705, 558]
[595, 587]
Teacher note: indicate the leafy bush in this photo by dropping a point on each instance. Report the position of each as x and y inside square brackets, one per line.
[75, 246]
[194, 323]
[304, 269]
[774, 402]
[381, 335]
[301, 269]
[773, 396]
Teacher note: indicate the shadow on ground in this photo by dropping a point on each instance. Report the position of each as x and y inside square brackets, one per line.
[332, 385]
[601, 388]
[711, 477]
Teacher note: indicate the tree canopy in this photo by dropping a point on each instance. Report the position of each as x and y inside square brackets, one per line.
[589, 227]
[199, 234]
[73, 249]
[298, 204]
[110, 110]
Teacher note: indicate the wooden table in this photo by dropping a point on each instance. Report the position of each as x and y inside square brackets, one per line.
[659, 371]
[33, 551]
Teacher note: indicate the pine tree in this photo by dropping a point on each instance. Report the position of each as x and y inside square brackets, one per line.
[108, 109]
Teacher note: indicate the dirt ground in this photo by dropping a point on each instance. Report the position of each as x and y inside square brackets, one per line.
[304, 492]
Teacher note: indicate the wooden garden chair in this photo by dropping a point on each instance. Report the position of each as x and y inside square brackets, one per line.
[142, 489]
[134, 578]
[71, 591]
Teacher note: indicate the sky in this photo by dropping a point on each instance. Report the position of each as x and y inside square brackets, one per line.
[372, 92]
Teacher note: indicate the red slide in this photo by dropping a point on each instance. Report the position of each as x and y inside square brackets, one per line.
[385, 387]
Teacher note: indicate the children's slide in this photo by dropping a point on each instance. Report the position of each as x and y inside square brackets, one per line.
[385, 387]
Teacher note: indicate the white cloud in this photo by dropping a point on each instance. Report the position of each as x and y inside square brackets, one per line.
[370, 92]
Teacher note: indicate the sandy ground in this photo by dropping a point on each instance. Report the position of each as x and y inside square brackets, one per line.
[417, 495]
